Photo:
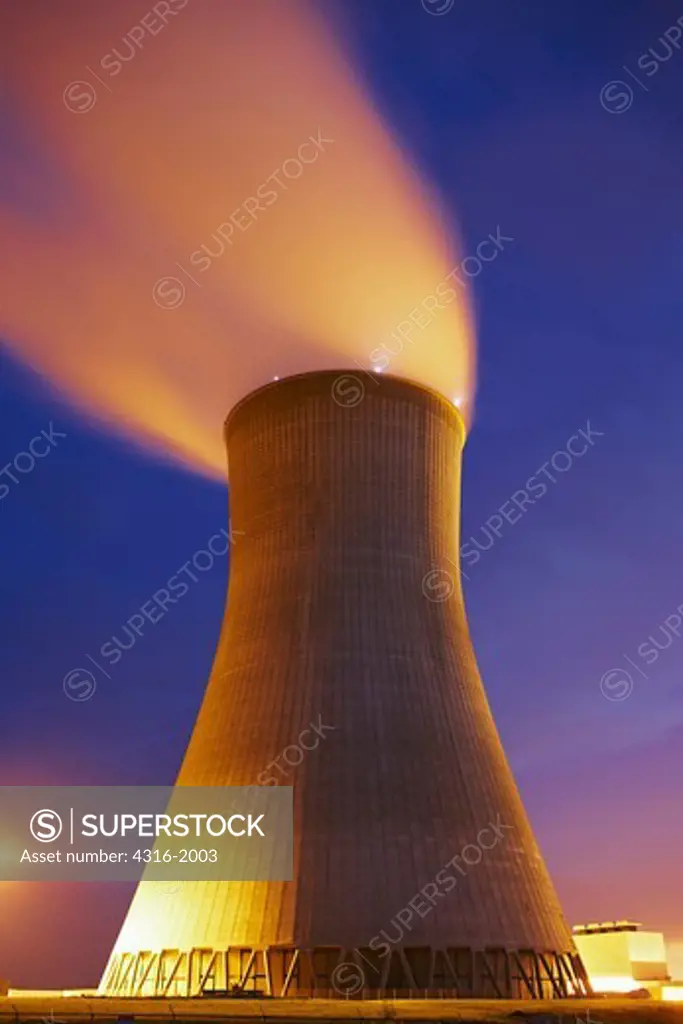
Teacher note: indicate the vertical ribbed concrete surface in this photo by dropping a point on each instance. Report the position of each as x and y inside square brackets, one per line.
[345, 610]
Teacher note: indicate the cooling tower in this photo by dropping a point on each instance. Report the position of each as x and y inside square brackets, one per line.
[345, 669]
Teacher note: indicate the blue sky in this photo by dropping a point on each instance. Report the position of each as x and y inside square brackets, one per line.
[579, 320]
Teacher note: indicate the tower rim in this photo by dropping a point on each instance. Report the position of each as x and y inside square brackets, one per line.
[396, 382]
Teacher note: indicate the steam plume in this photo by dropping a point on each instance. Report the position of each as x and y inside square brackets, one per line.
[200, 198]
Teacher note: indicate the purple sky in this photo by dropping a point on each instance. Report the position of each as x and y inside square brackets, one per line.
[579, 323]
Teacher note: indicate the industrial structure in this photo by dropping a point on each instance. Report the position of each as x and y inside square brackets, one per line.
[416, 869]
[620, 958]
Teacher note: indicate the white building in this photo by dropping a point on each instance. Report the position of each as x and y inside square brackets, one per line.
[620, 958]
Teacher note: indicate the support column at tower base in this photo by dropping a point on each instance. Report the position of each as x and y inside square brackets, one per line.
[332, 972]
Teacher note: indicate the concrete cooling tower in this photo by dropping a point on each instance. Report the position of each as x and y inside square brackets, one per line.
[345, 669]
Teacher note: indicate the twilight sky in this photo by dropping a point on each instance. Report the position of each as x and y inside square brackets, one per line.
[578, 328]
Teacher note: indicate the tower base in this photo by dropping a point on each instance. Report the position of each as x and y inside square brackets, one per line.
[331, 972]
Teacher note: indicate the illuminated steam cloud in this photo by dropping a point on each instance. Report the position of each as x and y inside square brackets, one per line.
[200, 199]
